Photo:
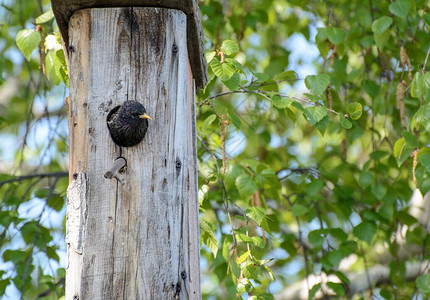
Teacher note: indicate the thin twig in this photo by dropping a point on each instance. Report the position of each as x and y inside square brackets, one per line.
[313, 171]
[42, 175]
[245, 90]
[425, 61]
[273, 82]
[220, 95]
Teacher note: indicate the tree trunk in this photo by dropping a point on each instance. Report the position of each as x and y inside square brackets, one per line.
[136, 237]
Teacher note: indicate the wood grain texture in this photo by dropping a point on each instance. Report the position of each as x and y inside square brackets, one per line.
[141, 238]
[63, 11]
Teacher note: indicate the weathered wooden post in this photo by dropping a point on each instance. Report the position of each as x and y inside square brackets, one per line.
[132, 232]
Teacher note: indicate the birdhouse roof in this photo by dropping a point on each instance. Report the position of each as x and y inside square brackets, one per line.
[64, 9]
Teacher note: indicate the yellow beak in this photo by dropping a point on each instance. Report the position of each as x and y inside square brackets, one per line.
[145, 116]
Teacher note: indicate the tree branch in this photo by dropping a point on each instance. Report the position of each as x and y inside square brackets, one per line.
[42, 175]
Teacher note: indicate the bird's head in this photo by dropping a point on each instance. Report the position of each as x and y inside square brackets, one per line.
[134, 110]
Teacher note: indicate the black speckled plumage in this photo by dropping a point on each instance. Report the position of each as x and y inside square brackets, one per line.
[128, 123]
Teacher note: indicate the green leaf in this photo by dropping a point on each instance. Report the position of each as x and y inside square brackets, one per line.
[234, 63]
[267, 178]
[208, 121]
[207, 237]
[426, 18]
[335, 35]
[233, 82]
[262, 77]
[316, 238]
[423, 283]
[314, 291]
[256, 213]
[345, 122]
[14, 256]
[371, 88]
[288, 244]
[291, 114]
[323, 124]
[321, 35]
[338, 234]
[332, 259]
[233, 171]
[314, 98]
[3, 285]
[229, 47]
[223, 71]
[287, 75]
[299, 210]
[56, 202]
[27, 41]
[366, 179]
[338, 288]
[250, 270]
[415, 86]
[243, 238]
[243, 257]
[424, 86]
[210, 56]
[381, 24]
[314, 114]
[298, 106]
[29, 230]
[234, 267]
[317, 84]
[50, 70]
[52, 253]
[379, 191]
[410, 139]
[400, 8]
[271, 276]
[355, 110]
[55, 63]
[258, 241]
[402, 151]
[313, 188]
[365, 231]
[227, 242]
[246, 185]
[243, 286]
[406, 218]
[421, 117]
[281, 102]
[381, 39]
[237, 123]
[252, 163]
[45, 17]
[342, 277]
[424, 160]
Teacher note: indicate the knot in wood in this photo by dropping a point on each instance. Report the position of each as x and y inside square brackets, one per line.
[174, 48]
[178, 164]
[178, 289]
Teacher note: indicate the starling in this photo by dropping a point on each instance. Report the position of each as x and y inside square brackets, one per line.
[128, 123]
